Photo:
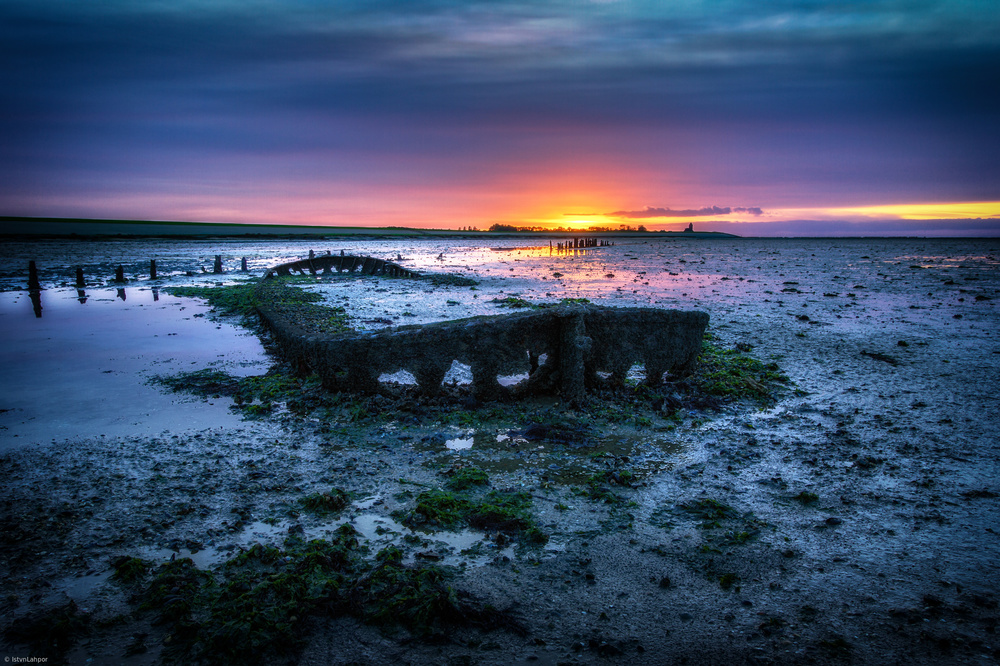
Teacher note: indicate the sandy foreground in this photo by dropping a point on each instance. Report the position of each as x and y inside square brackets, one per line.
[863, 523]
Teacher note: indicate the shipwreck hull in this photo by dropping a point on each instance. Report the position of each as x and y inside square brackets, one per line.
[327, 264]
[562, 349]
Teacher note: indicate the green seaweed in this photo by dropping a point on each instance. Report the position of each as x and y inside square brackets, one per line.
[439, 507]
[500, 511]
[237, 299]
[449, 280]
[254, 395]
[206, 382]
[513, 302]
[517, 302]
[245, 299]
[598, 488]
[503, 512]
[709, 511]
[174, 589]
[130, 569]
[242, 299]
[731, 373]
[324, 503]
[806, 497]
[466, 478]
[728, 580]
[258, 605]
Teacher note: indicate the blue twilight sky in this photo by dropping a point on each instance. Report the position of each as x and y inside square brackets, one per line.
[878, 116]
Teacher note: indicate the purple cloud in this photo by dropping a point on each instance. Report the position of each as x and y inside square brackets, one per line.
[667, 212]
[650, 211]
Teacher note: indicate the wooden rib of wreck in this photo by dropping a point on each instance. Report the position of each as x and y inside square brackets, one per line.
[326, 264]
[562, 348]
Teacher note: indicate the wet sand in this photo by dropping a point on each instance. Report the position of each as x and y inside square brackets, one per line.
[892, 349]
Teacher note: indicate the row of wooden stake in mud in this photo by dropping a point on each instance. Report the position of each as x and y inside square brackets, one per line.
[581, 243]
[218, 269]
[325, 264]
[81, 281]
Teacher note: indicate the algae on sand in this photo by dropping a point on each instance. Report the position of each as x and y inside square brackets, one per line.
[497, 510]
[243, 300]
[731, 373]
[258, 605]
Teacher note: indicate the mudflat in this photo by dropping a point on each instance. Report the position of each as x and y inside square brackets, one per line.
[824, 491]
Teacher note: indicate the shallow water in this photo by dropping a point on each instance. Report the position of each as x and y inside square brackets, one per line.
[647, 453]
[901, 455]
[80, 368]
[80, 365]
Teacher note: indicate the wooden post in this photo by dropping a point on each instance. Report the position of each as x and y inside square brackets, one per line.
[312, 255]
[79, 277]
[120, 274]
[33, 276]
[36, 301]
[243, 264]
[218, 264]
[152, 269]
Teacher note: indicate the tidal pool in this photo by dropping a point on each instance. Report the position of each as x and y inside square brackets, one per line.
[77, 363]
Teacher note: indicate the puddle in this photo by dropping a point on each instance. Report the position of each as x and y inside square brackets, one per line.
[81, 368]
[459, 443]
[504, 452]
[464, 547]
[203, 559]
[80, 588]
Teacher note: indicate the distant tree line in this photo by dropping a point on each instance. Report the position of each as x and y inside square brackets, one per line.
[510, 228]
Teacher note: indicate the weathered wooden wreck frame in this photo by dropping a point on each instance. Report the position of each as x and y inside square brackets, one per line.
[326, 264]
[561, 348]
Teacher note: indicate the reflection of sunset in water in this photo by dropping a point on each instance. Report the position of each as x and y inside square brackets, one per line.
[861, 281]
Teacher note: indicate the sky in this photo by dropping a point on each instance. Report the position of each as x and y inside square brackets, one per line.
[762, 117]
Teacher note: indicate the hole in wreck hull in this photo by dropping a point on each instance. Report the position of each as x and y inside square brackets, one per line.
[399, 377]
[511, 381]
[458, 373]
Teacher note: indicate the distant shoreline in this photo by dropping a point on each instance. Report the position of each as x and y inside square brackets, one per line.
[59, 227]
[34, 228]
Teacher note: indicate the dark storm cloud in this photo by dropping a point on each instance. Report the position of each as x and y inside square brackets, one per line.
[465, 60]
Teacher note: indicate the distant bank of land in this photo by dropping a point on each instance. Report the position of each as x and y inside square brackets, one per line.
[85, 228]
